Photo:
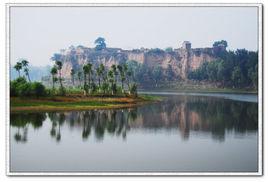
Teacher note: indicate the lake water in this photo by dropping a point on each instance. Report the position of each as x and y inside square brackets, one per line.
[183, 133]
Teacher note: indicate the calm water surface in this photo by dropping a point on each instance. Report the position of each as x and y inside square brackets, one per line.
[183, 133]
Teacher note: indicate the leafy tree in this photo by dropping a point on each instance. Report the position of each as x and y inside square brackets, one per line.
[212, 70]
[14, 85]
[222, 42]
[237, 77]
[38, 89]
[253, 74]
[20, 87]
[100, 43]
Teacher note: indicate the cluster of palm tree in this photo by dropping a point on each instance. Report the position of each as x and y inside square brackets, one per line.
[98, 79]
[56, 70]
[23, 64]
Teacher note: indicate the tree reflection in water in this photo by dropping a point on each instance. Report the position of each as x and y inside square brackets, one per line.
[210, 115]
[21, 121]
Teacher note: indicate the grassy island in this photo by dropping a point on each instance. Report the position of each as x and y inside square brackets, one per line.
[74, 102]
[104, 88]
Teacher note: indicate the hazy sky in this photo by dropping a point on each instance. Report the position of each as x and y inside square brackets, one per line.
[38, 32]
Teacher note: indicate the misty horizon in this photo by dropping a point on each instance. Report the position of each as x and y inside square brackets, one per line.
[39, 32]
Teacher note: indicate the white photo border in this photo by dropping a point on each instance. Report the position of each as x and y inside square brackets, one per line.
[172, 173]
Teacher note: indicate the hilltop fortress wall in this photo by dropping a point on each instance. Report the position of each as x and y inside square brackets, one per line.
[181, 60]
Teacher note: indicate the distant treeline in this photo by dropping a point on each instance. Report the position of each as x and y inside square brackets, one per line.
[36, 72]
[237, 69]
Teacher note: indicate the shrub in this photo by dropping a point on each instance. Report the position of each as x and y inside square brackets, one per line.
[38, 89]
[14, 91]
[24, 89]
[20, 87]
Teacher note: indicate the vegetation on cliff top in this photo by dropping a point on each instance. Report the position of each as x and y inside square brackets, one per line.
[237, 69]
[229, 69]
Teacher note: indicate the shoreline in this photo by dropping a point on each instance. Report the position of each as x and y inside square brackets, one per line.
[74, 103]
[216, 90]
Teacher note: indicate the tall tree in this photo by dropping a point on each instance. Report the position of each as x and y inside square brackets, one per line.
[26, 71]
[59, 67]
[89, 66]
[115, 73]
[122, 75]
[25, 65]
[18, 67]
[100, 71]
[86, 71]
[53, 72]
[79, 75]
[111, 80]
[72, 75]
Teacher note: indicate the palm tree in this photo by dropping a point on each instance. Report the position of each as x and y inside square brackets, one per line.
[89, 65]
[18, 67]
[111, 80]
[53, 72]
[102, 69]
[72, 75]
[79, 75]
[59, 67]
[26, 71]
[25, 64]
[100, 72]
[115, 73]
[86, 71]
[99, 75]
[122, 75]
[129, 73]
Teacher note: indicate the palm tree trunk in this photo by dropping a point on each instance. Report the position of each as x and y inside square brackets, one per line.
[85, 80]
[61, 81]
[89, 84]
[53, 86]
[28, 77]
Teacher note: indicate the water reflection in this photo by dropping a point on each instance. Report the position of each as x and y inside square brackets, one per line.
[22, 121]
[185, 114]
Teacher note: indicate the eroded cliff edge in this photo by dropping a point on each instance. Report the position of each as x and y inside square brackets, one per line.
[181, 60]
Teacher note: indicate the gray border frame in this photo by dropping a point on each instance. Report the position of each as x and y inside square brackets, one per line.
[87, 5]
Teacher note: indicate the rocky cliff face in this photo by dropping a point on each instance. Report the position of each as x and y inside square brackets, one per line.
[181, 60]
